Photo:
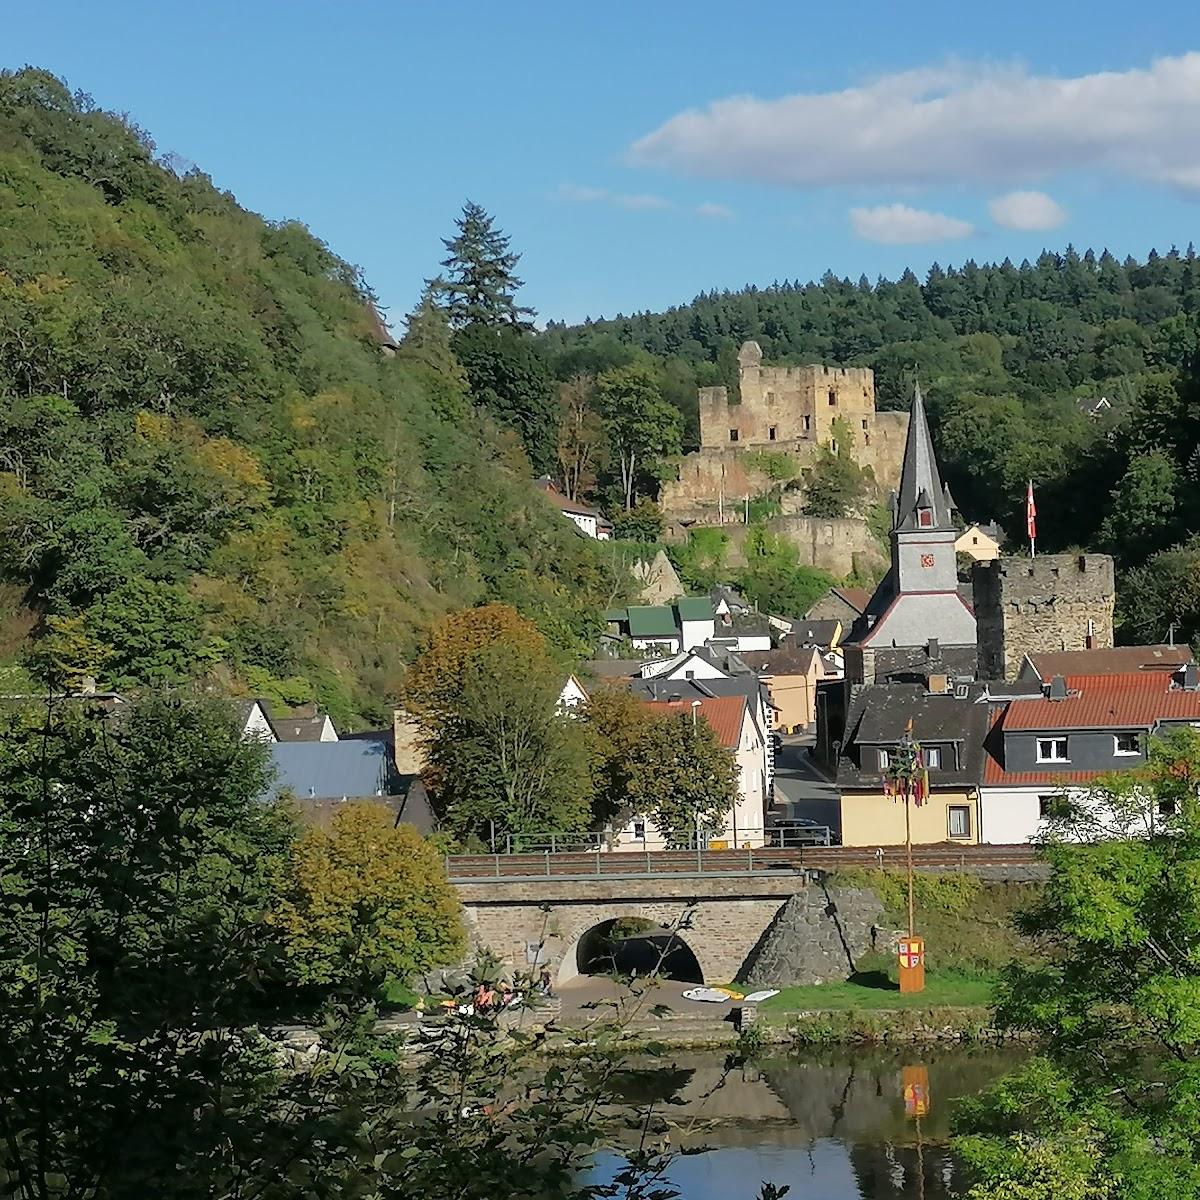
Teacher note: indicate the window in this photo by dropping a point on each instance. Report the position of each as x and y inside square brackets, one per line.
[1052, 750]
[833, 397]
[1128, 743]
[1046, 806]
[864, 423]
[733, 435]
[807, 424]
[958, 817]
[925, 517]
[771, 433]
[770, 397]
[833, 445]
[639, 830]
[974, 541]
[1166, 808]
[933, 757]
[885, 760]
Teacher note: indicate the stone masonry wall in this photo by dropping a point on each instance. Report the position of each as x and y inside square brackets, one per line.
[1044, 604]
[837, 545]
[817, 937]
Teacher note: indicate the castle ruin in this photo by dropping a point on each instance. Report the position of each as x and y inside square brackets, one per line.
[788, 411]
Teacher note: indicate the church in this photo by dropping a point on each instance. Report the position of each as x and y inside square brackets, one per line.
[917, 622]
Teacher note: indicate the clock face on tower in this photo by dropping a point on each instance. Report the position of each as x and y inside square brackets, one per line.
[927, 560]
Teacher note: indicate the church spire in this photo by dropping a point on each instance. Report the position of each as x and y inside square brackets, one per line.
[922, 502]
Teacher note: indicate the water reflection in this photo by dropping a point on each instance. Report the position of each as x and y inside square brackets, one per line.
[830, 1123]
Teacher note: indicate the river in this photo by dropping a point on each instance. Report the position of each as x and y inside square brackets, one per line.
[829, 1122]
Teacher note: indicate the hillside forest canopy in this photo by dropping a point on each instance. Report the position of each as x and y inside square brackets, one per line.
[215, 463]
[209, 465]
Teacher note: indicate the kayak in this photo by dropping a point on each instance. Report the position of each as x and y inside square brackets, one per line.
[707, 995]
[759, 997]
[729, 992]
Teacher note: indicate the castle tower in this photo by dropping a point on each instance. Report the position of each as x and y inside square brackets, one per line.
[916, 623]
[1043, 604]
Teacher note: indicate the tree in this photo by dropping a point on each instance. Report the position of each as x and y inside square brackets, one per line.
[642, 523]
[481, 285]
[1142, 509]
[1110, 1104]
[835, 484]
[501, 755]
[1164, 591]
[138, 862]
[642, 428]
[509, 379]
[368, 899]
[580, 436]
[428, 338]
[773, 579]
[661, 765]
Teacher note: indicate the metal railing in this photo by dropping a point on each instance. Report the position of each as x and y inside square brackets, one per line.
[617, 842]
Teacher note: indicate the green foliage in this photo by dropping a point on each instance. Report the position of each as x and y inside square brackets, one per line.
[1163, 591]
[642, 429]
[1113, 998]
[642, 523]
[195, 411]
[700, 560]
[779, 468]
[835, 484]
[480, 284]
[773, 580]
[367, 900]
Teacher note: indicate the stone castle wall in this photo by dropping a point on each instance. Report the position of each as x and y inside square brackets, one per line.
[842, 546]
[788, 411]
[1043, 604]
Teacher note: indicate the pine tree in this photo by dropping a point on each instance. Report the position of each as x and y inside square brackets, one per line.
[480, 287]
[427, 337]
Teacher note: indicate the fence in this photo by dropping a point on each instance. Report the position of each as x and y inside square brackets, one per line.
[776, 837]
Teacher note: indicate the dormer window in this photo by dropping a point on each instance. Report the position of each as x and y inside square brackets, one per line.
[925, 518]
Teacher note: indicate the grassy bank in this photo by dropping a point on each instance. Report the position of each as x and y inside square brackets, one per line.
[875, 990]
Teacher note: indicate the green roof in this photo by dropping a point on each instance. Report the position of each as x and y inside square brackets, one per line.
[617, 614]
[647, 620]
[695, 608]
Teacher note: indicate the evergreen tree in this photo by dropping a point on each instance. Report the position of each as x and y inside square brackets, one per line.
[481, 286]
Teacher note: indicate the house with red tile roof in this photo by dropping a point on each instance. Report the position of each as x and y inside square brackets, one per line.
[1060, 736]
[732, 720]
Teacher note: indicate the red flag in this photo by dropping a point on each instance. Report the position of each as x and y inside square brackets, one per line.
[1030, 514]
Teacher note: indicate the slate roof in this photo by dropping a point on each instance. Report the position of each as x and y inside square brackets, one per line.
[786, 660]
[920, 482]
[694, 608]
[857, 598]
[814, 633]
[1135, 701]
[878, 715]
[995, 775]
[646, 620]
[1114, 660]
[331, 770]
[612, 668]
[726, 715]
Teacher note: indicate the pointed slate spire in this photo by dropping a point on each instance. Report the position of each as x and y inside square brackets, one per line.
[920, 481]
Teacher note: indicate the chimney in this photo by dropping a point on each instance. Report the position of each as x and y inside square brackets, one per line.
[1056, 689]
[1089, 642]
[933, 649]
[937, 685]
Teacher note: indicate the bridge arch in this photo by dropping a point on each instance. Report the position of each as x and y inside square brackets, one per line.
[636, 946]
[579, 939]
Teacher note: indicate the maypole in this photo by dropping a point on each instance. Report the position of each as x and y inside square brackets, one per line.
[907, 779]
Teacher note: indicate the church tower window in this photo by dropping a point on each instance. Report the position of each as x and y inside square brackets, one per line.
[925, 518]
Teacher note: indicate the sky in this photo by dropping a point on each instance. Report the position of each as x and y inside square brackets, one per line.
[638, 153]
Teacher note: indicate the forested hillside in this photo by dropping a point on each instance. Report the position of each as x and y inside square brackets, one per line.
[1012, 360]
[208, 465]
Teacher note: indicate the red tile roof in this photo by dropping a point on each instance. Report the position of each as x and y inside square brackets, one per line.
[994, 774]
[560, 501]
[1114, 660]
[1136, 701]
[724, 713]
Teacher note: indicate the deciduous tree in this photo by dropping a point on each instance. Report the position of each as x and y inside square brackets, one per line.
[643, 430]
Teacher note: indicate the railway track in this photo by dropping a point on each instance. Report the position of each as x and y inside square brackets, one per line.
[465, 868]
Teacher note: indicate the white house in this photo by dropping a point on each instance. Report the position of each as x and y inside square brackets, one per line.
[572, 694]
[253, 723]
[738, 732]
[696, 624]
[586, 519]
[689, 664]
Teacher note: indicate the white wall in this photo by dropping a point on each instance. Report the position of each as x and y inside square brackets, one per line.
[751, 641]
[572, 694]
[328, 733]
[683, 668]
[696, 633]
[668, 645]
[258, 728]
[586, 523]
[1008, 816]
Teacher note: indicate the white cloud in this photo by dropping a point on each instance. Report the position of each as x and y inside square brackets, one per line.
[714, 212]
[592, 195]
[1027, 211]
[898, 225]
[972, 122]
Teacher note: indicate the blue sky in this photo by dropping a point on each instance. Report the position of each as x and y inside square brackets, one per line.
[868, 136]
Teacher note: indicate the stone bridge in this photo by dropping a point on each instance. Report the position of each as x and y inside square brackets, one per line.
[737, 926]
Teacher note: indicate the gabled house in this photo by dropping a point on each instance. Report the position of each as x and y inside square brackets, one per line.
[950, 721]
[701, 663]
[253, 723]
[303, 724]
[585, 518]
[1110, 660]
[732, 720]
[791, 675]
[1056, 738]
[666, 628]
[572, 694]
[980, 541]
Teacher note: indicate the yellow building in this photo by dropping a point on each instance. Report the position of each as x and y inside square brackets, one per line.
[981, 542]
[949, 722]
